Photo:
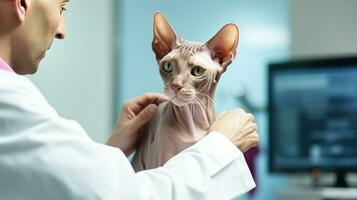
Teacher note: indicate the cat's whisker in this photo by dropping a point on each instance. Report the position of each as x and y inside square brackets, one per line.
[191, 107]
[208, 97]
[203, 106]
[195, 105]
[197, 100]
[199, 103]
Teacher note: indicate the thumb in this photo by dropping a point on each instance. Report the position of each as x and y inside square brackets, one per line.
[220, 114]
[145, 115]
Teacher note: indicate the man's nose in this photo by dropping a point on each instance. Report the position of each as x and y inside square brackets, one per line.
[176, 87]
[61, 30]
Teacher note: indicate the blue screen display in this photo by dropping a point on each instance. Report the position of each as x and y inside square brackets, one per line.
[313, 117]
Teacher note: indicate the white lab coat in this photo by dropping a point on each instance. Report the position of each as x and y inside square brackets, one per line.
[44, 156]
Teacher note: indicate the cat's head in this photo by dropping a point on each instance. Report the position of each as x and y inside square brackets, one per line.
[191, 70]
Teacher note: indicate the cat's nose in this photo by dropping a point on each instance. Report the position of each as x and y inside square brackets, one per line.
[176, 87]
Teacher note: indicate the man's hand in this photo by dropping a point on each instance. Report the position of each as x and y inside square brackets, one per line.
[238, 127]
[135, 114]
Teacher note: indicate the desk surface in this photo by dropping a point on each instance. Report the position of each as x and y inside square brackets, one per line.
[320, 193]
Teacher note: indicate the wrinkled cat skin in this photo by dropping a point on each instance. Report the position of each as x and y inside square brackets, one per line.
[190, 71]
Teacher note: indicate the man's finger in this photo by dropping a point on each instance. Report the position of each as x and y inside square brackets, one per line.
[220, 114]
[143, 101]
[145, 115]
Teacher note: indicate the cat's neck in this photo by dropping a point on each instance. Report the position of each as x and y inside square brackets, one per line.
[195, 117]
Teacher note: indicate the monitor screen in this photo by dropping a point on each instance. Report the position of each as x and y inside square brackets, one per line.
[313, 115]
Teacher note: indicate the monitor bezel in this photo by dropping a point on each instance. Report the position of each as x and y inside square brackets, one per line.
[350, 61]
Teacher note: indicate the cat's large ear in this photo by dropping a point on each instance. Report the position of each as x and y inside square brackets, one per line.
[223, 45]
[164, 36]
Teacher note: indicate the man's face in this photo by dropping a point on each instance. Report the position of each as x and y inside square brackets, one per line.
[43, 23]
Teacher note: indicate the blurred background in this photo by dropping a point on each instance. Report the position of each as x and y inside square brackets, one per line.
[106, 59]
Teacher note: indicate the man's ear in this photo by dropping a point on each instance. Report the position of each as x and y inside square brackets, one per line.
[21, 7]
[164, 36]
[223, 45]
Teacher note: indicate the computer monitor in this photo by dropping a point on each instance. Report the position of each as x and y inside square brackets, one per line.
[313, 115]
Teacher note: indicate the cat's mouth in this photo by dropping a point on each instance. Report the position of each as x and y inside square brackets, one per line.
[180, 98]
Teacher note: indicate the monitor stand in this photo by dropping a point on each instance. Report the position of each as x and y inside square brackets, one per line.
[341, 181]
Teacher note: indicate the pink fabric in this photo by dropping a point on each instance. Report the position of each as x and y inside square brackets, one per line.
[5, 66]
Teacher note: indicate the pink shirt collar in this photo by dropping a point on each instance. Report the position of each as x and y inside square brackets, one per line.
[5, 66]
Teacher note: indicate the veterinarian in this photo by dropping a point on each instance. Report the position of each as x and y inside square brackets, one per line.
[44, 156]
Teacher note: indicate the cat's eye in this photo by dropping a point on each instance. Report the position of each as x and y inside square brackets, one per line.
[168, 66]
[197, 71]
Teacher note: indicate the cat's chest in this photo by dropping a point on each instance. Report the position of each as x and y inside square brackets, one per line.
[175, 137]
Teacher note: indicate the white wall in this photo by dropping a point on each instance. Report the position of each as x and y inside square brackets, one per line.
[77, 74]
[323, 27]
